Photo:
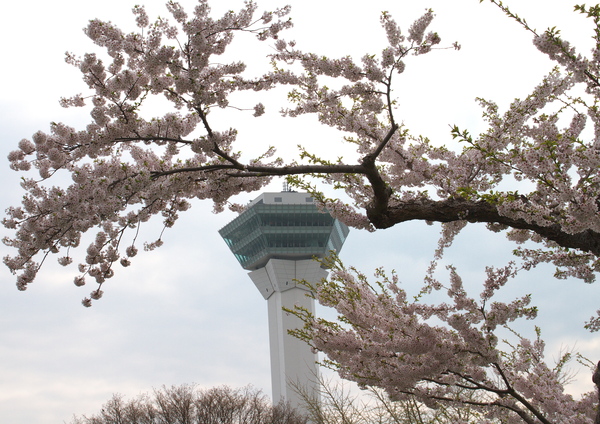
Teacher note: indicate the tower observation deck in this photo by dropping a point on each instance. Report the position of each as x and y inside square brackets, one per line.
[284, 225]
[277, 238]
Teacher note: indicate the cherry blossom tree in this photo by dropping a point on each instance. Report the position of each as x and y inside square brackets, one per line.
[443, 354]
[126, 167]
[533, 173]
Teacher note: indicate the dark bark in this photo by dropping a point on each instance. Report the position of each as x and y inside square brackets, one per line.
[456, 209]
[596, 380]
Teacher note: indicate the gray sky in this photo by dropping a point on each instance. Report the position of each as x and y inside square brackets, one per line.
[187, 313]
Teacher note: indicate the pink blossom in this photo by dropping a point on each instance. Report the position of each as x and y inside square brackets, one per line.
[259, 109]
[417, 29]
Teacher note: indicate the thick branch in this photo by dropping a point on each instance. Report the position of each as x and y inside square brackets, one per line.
[381, 191]
[457, 209]
[596, 381]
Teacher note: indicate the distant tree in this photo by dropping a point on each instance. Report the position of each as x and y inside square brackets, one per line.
[189, 405]
[534, 173]
[223, 405]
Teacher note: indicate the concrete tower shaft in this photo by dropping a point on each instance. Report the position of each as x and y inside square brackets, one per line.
[292, 362]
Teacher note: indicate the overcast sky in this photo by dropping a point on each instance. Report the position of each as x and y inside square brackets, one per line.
[187, 313]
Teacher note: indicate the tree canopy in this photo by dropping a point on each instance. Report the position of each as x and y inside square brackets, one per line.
[126, 167]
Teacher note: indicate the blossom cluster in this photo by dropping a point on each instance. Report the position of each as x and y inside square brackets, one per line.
[440, 353]
[113, 163]
[127, 167]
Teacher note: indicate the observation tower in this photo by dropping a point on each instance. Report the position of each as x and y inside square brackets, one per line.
[276, 239]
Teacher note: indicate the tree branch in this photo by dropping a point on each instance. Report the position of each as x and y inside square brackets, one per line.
[520, 398]
[381, 190]
[456, 209]
[267, 171]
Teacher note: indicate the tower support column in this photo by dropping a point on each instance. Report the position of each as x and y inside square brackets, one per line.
[293, 364]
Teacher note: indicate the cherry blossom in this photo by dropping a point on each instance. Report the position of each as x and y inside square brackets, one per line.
[442, 354]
